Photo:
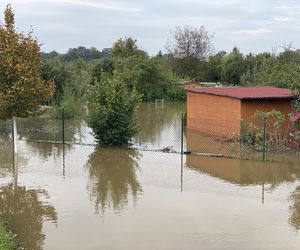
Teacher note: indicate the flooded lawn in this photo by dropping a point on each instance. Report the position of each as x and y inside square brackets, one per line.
[81, 197]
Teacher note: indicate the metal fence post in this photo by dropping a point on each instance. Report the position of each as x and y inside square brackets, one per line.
[181, 151]
[264, 138]
[181, 138]
[63, 125]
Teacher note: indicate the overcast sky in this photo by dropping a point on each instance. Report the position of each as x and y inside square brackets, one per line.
[251, 25]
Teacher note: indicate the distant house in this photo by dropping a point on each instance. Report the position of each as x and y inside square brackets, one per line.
[194, 84]
[218, 111]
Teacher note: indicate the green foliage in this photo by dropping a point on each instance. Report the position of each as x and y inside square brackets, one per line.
[112, 112]
[176, 93]
[55, 69]
[211, 70]
[233, 67]
[103, 69]
[279, 75]
[79, 77]
[83, 54]
[6, 242]
[149, 76]
[126, 47]
[253, 134]
[71, 104]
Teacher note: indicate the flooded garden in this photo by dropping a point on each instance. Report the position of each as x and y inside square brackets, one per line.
[78, 196]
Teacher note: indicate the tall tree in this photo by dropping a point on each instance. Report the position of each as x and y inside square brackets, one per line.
[21, 86]
[188, 47]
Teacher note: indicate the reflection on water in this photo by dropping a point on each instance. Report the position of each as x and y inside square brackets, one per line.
[25, 213]
[6, 156]
[113, 178]
[294, 219]
[45, 129]
[163, 216]
[160, 126]
[244, 172]
[37, 130]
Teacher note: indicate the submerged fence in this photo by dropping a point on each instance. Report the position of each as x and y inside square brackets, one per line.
[263, 139]
[171, 133]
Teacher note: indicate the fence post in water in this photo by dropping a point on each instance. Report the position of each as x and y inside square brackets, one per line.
[63, 125]
[181, 137]
[15, 135]
[181, 150]
[264, 138]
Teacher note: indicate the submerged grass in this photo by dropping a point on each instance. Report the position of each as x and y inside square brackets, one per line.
[6, 239]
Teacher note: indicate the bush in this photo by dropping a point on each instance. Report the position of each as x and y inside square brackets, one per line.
[113, 112]
[6, 242]
[72, 105]
[176, 93]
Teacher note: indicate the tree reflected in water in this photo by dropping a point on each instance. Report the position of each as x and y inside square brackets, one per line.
[36, 130]
[25, 212]
[6, 156]
[113, 178]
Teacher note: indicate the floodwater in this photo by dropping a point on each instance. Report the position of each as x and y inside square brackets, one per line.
[81, 197]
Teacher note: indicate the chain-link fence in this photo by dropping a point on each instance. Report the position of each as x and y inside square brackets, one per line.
[263, 140]
[169, 132]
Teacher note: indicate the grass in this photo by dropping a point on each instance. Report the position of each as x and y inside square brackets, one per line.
[6, 241]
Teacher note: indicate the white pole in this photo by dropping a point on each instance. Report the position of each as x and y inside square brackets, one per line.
[16, 172]
[15, 134]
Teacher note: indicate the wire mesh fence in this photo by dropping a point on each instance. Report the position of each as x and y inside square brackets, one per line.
[170, 133]
[262, 140]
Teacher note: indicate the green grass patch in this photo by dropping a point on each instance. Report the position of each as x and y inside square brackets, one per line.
[6, 241]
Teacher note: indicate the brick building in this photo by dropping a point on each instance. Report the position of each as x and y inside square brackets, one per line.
[218, 111]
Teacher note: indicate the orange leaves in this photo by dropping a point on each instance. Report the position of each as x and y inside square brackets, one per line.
[21, 87]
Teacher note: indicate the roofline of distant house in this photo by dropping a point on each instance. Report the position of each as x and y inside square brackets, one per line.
[200, 83]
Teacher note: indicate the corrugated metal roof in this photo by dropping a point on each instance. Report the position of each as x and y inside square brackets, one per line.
[259, 92]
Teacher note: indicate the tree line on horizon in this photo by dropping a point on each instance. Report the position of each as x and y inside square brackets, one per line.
[189, 56]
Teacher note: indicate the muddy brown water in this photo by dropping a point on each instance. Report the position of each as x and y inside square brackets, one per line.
[81, 197]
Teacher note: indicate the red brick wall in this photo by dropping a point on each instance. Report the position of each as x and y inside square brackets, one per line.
[248, 108]
[215, 115]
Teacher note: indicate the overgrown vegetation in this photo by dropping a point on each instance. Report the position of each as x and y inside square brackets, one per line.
[6, 238]
[112, 112]
[268, 131]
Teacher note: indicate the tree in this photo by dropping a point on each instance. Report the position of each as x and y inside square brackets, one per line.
[233, 67]
[189, 47]
[149, 76]
[126, 47]
[54, 69]
[113, 112]
[22, 89]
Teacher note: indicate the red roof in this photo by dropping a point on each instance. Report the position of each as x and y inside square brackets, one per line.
[259, 92]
